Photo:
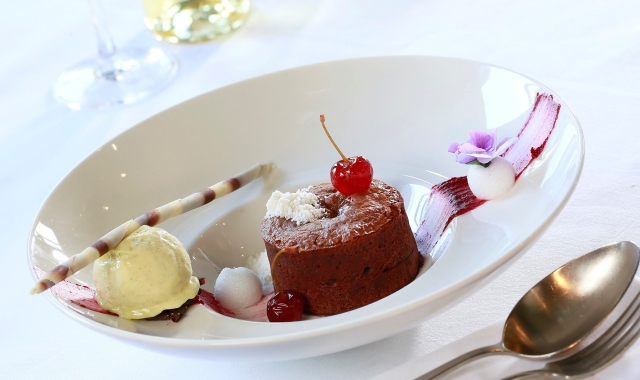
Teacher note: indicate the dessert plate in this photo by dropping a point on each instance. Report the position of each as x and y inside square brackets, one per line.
[402, 113]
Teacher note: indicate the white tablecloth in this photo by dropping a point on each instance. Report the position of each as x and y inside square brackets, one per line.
[586, 51]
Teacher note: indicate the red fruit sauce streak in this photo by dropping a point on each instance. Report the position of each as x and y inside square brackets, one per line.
[75, 293]
[453, 197]
[207, 299]
[84, 296]
[448, 199]
[534, 135]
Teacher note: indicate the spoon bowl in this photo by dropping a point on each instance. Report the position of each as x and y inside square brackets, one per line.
[563, 308]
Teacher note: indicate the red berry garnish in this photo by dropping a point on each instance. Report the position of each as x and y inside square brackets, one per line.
[352, 178]
[285, 306]
[350, 175]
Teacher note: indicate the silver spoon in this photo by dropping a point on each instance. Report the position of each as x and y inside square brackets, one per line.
[563, 308]
[597, 355]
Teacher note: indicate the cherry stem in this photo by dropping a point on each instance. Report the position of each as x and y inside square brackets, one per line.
[344, 158]
[276, 286]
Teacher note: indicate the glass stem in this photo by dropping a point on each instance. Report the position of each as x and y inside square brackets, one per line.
[106, 48]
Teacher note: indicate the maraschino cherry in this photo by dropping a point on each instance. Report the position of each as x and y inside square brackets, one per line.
[285, 306]
[350, 175]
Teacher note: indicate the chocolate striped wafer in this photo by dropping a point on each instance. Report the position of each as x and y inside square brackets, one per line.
[151, 218]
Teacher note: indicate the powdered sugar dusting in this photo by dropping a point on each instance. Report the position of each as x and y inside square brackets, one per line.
[259, 263]
[301, 207]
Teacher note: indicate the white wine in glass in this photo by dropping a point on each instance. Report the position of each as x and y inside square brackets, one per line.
[194, 20]
[115, 76]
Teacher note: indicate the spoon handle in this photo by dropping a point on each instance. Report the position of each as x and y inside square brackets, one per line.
[463, 359]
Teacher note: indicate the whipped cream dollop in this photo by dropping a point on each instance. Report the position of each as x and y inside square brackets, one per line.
[301, 207]
[242, 287]
[237, 288]
[492, 181]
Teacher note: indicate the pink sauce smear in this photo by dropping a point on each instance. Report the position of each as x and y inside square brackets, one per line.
[75, 293]
[85, 296]
[453, 197]
[448, 200]
[210, 302]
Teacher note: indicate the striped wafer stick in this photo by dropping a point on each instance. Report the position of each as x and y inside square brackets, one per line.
[151, 218]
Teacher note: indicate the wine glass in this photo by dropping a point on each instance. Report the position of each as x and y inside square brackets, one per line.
[193, 21]
[115, 76]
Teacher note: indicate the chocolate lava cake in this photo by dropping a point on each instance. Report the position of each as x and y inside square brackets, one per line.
[361, 250]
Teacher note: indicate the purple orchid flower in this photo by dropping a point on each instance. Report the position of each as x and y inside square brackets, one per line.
[481, 148]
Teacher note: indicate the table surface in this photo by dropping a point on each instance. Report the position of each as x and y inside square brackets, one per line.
[586, 51]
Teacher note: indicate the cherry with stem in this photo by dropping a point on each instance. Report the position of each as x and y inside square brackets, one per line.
[350, 175]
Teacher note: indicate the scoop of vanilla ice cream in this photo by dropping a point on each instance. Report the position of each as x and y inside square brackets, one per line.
[149, 271]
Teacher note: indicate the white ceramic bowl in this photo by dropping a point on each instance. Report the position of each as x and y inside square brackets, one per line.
[399, 112]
